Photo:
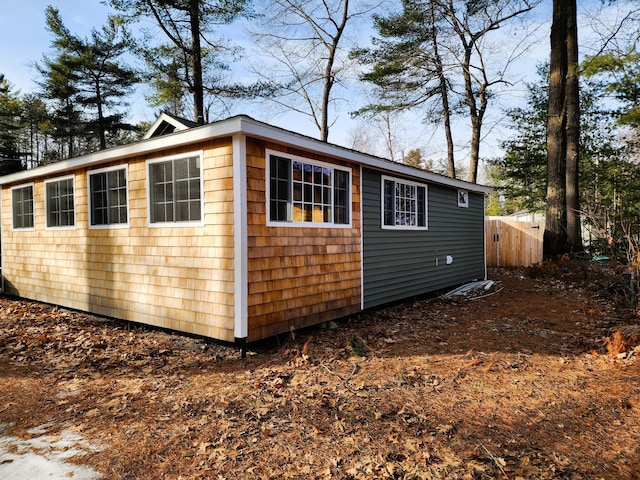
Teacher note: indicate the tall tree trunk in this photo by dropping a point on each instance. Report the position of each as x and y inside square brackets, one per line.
[474, 153]
[101, 126]
[444, 93]
[69, 131]
[555, 235]
[476, 113]
[446, 115]
[477, 120]
[196, 59]
[574, 230]
[328, 71]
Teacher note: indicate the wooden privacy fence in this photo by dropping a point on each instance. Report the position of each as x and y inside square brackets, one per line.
[513, 243]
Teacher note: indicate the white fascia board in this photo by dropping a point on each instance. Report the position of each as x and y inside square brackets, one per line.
[430, 177]
[258, 129]
[246, 126]
[143, 147]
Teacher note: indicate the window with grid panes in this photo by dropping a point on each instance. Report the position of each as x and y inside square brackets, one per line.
[307, 192]
[60, 203]
[175, 194]
[22, 202]
[108, 197]
[404, 204]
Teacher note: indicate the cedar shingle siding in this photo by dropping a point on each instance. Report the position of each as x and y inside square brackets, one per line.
[223, 267]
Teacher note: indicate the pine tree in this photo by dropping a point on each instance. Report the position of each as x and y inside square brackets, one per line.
[59, 85]
[10, 124]
[190, 62]
[562, 226]
[424, 51]
[90, 74]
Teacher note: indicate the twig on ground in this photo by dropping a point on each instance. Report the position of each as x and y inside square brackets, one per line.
[345, 381]
[487, 295]
[495, 460]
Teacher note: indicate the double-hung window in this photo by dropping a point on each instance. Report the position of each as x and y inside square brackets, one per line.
[59, 199]
[306, 192]
[22, 205]
[108, 197]
[404, 204]
[175, 189]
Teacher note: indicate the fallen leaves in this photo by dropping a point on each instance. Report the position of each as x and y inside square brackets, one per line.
[624, 341]
[427, 389]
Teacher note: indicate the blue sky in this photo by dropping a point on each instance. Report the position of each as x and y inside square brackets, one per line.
[24, 40]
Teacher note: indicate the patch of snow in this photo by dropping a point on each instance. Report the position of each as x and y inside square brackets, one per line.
[44, 456]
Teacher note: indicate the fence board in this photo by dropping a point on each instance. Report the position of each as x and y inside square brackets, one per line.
[513, 243]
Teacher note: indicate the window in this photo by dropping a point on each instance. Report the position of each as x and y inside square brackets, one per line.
[404, 204]
[22, 201]
[108, 197]
[175, 190]
[60, 203]
[305, 192]
[463, 198]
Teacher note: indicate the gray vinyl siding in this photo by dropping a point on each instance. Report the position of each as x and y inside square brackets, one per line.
[400, 264]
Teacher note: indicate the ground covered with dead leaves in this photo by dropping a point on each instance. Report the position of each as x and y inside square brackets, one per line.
[515, 384]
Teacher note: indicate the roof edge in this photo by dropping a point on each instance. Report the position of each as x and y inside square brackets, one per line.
[239, 124]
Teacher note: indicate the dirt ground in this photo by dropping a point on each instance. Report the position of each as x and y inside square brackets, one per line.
[515, 382]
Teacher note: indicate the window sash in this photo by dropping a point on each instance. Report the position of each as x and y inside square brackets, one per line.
[22, 200]
[108, 192]
[304, 192]
[175, 190]
[404, 204]
[60, 203]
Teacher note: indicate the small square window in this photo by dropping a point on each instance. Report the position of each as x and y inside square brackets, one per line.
[463, 198]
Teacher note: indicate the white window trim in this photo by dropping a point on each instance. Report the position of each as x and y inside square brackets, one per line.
[33, 189]
[199, 223]
[466, 203]
[46, 204]
[89, 196]
[406, 182]
[272, 223]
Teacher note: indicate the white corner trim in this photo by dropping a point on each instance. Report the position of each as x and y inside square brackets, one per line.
[361, 239]
[240, 273]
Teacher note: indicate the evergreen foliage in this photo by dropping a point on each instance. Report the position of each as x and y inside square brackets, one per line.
[621, 71]
[609, 176]
[192, 62]
[88, 75]
[431, 55]
[10, 123]
[414, 158]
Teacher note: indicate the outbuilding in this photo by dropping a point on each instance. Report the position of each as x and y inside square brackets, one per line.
[235, 230]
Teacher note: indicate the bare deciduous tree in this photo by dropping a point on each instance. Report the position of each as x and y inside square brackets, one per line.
[424, 50]
[301, 43]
